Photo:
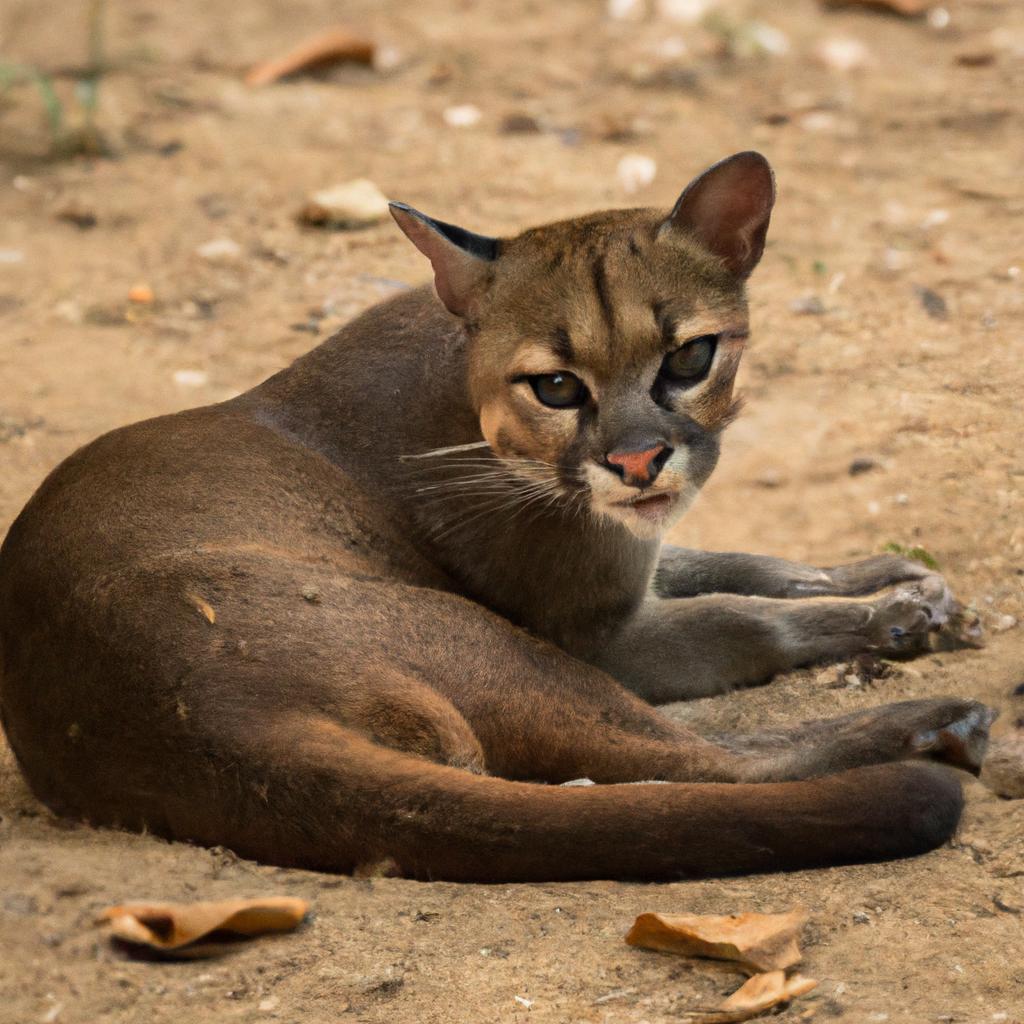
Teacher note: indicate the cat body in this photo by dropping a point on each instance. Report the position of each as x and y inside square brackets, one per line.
[378, 607]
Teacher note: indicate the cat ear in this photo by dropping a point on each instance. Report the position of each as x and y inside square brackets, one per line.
[462, 261]
[727, 209]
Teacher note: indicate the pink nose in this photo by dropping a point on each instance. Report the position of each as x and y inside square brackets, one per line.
[637, 465]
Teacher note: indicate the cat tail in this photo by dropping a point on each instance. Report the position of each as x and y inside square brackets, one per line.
[337, 802]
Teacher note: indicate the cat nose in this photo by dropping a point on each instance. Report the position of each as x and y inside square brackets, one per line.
[639, 468]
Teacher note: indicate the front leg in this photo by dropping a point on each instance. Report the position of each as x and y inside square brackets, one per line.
[683, 572]
[677, 649]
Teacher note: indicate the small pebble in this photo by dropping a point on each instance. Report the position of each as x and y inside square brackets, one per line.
[465, 115]
[141, 294]
[808, 305]
[354, 204]
[191, 378]
[627, 10]
[635, 171]
[933, 303]
[1003, 623]
[842, 53]
[862, 465]
[220, 250]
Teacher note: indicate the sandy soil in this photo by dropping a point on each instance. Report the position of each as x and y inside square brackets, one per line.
[898, 177]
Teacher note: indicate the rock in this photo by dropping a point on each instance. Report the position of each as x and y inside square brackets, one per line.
[862, 465]
[220, 250]
[355, 204]
[635, 171]
[465, 115]
[627, 10]
[1003, 623]
[842, 53]
[141, 294]
[519, 124]
[76, 213]
[808, 305]
[933, 303]
[191, 378]
[1003, 770]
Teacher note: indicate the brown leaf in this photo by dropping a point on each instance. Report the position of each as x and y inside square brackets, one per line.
[763, 942]
[334, 46]
[170, 927]
[905, 8]
[753, 997]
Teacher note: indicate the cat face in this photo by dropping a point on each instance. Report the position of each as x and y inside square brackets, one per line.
[605, 348]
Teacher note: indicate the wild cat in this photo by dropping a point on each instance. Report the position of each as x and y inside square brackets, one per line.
[375, 608]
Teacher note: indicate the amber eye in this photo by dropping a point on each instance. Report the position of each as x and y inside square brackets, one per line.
[690, 362]
[559, 390]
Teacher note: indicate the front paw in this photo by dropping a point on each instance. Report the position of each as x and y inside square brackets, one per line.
[919, 617]
[871, 575]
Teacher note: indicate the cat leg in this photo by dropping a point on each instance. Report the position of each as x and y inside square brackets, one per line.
[680, 648]
[683, 572]
[950, 730]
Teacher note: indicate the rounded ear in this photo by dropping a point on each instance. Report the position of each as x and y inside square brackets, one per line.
[462, 261]
[727, 210]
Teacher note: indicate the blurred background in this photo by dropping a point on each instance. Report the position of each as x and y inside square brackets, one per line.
[157, 250]
[191, 195]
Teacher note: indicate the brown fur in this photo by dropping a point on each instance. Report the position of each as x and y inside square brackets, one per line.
[301, 625]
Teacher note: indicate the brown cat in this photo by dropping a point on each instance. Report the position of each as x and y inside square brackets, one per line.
[375, 607]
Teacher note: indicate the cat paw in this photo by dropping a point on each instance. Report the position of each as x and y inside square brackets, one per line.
[870, 575]
[949, 730]
[902, 622]
[960, 741]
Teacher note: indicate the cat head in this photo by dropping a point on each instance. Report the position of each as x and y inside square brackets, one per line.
[604, 349]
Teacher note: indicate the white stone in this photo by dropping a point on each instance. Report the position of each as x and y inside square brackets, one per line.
[465, 115]
[354, 203]
[842, 53]
[220, 250]
[635, 171]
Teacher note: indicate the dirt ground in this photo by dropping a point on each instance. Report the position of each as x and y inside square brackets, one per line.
[889, 322]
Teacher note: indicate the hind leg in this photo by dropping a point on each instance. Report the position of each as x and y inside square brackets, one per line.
[431, 673]
[540, 714]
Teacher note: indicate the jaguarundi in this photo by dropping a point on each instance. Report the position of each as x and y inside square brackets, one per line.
[377, 608]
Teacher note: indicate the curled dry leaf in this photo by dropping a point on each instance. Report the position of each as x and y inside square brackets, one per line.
[762, 942]
[753, 997]
[905, 8]
[175, 927]
[335, 46]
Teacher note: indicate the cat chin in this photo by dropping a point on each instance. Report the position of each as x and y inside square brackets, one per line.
[646, 520]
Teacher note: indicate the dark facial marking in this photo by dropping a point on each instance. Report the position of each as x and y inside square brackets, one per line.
[604, 298]
[666, 324]
[561, 345]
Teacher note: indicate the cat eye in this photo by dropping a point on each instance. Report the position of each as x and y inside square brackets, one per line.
[690, 362]
[558, 390]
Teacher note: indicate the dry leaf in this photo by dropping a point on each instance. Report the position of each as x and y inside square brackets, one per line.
[170, 927]
[331, 47]
[753, 997]
[763, 942]
[906, 8]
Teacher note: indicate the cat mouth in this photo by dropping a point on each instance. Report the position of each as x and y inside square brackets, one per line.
[654, 507]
